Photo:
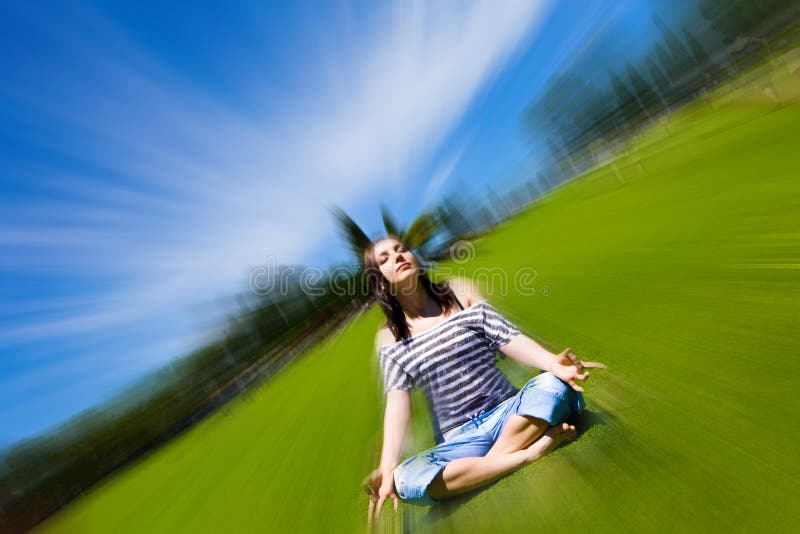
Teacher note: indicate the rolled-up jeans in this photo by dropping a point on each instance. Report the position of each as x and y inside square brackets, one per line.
[544, 396]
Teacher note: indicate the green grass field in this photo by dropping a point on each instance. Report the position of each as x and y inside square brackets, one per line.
[682, 274]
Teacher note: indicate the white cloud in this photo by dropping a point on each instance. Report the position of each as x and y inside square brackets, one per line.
[208, 192]
[440, 176]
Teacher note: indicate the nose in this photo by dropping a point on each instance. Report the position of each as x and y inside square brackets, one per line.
[400, 258]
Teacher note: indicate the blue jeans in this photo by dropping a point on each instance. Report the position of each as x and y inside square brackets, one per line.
[544, 396]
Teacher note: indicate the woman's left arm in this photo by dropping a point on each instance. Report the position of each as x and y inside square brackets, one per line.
[564, 365]
[526, 351]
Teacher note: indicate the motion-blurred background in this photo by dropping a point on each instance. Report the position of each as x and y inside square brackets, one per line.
[185, 341]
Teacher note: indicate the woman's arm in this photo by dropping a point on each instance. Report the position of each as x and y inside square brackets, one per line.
[379, 484]
[522, 348]
[565, 365]
[525, 350]
[397, 414]
[528, 352]
[396, 421]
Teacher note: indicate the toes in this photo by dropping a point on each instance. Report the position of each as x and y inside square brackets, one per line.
[566, 428]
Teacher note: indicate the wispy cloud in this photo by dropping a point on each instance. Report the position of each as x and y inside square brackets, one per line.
[440, 176]
[170, 196]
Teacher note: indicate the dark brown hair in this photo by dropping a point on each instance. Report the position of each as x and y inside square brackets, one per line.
[379, 291]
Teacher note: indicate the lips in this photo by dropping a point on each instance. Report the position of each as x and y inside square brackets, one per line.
[402, 266]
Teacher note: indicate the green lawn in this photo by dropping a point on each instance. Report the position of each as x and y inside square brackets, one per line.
[682, 275]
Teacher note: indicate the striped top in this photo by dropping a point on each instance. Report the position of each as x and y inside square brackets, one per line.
[455, 365]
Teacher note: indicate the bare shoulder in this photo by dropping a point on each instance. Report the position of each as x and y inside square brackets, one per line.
[466, 290]
[384, 336]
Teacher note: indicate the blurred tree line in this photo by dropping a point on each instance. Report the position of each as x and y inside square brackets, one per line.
[585, 122]
[39, 475]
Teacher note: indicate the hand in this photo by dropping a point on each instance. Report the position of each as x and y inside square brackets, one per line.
[379, 485]
[569, 368]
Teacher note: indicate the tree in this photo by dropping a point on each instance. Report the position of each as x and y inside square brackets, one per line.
[352, 234]
[573, 113]
[743, 18]
[629, 106]
[389, 223]
[420, 233]
[458, 225]
[667, 65]
[561, 159]
[422, 230]
[644, 93]
[682, 68]
[699, 53]
[660, 82]
[680, 55]
[704, 62]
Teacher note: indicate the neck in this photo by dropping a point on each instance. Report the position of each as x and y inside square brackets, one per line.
[416, 302]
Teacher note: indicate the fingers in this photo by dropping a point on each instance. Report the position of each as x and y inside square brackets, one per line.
[378, 507]
[594, 365]
[370, 484]
[575, 361]
[575, 386]
[567, 373]
[580, 364]
[366, 486]
[573, 369]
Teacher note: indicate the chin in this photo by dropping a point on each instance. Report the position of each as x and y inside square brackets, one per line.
[405, 274]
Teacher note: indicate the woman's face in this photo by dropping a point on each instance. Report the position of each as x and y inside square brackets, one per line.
[395, 261]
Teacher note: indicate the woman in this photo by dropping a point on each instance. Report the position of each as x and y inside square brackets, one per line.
[442, 338]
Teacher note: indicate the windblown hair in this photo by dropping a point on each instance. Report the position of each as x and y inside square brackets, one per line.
[378, 288]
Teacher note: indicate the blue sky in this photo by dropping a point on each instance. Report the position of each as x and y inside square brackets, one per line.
[153, 155]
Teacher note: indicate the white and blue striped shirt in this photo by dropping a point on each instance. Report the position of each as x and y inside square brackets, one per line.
[455, 364]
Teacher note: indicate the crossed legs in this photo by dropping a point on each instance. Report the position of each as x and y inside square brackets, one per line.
[523, 440]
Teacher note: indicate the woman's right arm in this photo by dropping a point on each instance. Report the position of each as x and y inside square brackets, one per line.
[397, 415]
[380, 483]
[396, 421]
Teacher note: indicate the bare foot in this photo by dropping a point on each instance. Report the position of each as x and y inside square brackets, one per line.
[552, 438]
